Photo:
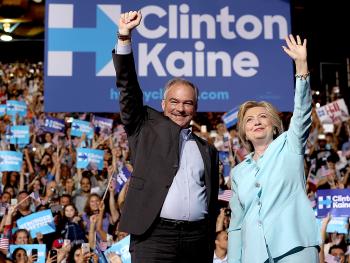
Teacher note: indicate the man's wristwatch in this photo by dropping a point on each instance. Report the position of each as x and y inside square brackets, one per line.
[123, 37]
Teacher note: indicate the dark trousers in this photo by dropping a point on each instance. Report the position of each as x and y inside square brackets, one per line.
[170, 241]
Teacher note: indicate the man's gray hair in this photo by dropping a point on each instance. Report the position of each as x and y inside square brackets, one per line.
[176, 81]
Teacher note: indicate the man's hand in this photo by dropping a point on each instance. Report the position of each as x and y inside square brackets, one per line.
[128, 21]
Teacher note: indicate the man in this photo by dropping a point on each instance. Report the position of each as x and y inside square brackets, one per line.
[220, 252]
[170, 207]
[82, 194]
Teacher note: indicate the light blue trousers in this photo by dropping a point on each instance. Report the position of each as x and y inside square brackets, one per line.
[307, 255]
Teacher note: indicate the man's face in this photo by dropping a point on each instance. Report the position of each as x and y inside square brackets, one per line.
[180, 104]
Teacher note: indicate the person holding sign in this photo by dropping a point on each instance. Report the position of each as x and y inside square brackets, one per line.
[170, 207]
[272, 219]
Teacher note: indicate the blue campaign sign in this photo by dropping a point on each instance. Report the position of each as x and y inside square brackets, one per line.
[19, 134]
[104, 124]
[79, 127]
[90, 158]
[14, 107]
[224, 158]
[53, 125]
[230, 118]
[338, 224]
[121, 177]
[11, 161]
[334, 201]
[40, 222]
[2, 110]
[121, 248]
[230, 49]
[29, 250]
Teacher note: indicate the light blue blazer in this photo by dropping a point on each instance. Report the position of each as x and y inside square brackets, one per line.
[269, 204]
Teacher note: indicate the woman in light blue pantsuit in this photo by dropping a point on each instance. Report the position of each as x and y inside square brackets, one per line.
[272, 219]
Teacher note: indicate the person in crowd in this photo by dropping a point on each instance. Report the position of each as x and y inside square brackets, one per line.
[220, 252]
[272, 219]
[71, 226]
[83, 193]
[170, 162]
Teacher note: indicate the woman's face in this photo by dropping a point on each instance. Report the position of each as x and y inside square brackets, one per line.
[21, 256]
[36, 186]
[21, 238]
[94, 203]
[77, 255]
[69, 211]
[258, 125]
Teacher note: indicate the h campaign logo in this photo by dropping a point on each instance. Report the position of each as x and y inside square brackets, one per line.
[96, 39]
[324, 203]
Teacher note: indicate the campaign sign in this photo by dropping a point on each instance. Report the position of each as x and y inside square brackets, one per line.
[40, 222]
[338, 224]
[230, 118]
[79, 127]
[14, 107]
[230, 49]
[121, 178]
[104, 124]
[90, 158]
[121, 248]
[11, 161]
[19, 134]
[2, 110]
[29, 248]
[53, 125]
[333, 201]
[333, 112]
[224, 158]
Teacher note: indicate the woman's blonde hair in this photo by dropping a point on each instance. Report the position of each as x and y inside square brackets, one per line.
[273, 114]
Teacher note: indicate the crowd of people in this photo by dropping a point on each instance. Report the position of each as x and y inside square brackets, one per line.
[87, 205]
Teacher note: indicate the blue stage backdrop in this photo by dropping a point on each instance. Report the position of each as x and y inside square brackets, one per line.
[231, 49]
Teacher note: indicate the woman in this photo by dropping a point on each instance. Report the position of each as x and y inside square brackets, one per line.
[272, 219]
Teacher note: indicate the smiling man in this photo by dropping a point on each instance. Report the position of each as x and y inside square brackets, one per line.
[170, 207]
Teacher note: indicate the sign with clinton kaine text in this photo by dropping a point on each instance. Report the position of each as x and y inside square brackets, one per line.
[229, 49]
[120, 248]
[14, 107]
[79, 127]
[29, 250]
[333, 201]
[11, 161]
[53, 124]
[104, 124]
[19, 134]
[90, 158]
[40, 222]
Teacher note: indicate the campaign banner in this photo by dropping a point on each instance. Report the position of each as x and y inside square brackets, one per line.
[333, 201]
[90, 158]
[19, 134]
[14, 107]
[105, 125]
[333, 112]
[224, 158]
[121, 178]
[338, 225]
[2, 110]
[11, 161]
[79, 127]
[230, 118]
[120, 248]
[224, 47]
[29, 250]
[53, 125]
[40, 222]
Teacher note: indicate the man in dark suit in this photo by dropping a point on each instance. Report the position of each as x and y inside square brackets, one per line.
[170, 207]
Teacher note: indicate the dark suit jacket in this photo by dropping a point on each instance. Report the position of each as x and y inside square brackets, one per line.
[154, 146]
